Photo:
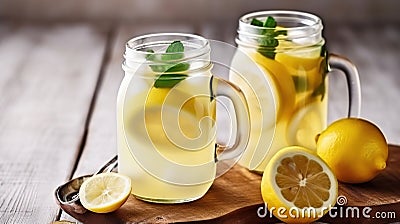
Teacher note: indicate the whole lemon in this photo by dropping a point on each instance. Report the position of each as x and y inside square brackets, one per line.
[354, 148]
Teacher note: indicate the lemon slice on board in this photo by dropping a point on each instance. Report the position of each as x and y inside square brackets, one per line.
[298, 186]
[105, 192]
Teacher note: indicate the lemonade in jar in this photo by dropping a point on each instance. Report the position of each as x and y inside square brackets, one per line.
[291, 58]
[166, 112]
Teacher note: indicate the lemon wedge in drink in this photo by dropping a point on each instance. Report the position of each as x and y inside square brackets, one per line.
[177, 98]
[174, 104]
[304, 65]
[305, 123]
[299, 181]
[306, 60]
[285, 89]
[156, 96]
[105, 192]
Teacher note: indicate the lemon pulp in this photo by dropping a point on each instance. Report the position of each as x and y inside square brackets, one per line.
[297, 179]
[105, 192]
[303, 181]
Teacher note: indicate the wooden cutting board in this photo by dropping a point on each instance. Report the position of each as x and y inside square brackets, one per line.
[235, 198]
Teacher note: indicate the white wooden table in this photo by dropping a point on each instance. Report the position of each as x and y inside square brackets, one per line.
[58, 85]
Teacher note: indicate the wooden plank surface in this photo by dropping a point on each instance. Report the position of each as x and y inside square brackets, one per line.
[236, 196]
[47, 81]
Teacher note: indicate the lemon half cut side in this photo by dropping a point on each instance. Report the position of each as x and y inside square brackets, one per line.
[298, 186]
[105, 192]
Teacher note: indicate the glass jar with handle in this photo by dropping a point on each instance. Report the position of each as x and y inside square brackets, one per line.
[166, 112]
[291, 57]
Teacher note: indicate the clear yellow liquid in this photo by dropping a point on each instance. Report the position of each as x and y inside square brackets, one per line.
[295, 109]
[166, 139]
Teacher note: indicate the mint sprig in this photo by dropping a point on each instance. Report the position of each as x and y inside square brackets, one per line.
[174, 51]
[268, 42]
[323, 69]
[166, 66]
[256, 22]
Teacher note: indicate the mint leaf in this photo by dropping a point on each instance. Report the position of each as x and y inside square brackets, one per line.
[151, 55]
[168, 78]
[179, 67]
[270, 22]
[319, 91]
[280, 32]
[300, 83]
[323, 70]
[267, 53]
[268, 43]
[170, 67]
[175, 47]
[159, 68]
[256, 22]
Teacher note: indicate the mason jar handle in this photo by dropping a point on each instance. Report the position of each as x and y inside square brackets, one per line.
[222, 87]
[353, 82]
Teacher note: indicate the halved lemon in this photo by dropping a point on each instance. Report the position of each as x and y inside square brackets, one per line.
[298, 186]
[105, 192]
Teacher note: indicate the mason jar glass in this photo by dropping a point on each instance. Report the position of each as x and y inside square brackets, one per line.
[166, 112]
[291, 57]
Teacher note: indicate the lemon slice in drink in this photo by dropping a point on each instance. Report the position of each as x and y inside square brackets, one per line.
[285, 89]
[177, 98]
[305, 124]
[178, 106]
[299, 181]
[308, 60]
[105, 192]
[156, 96]
[304, 65]
[180, 119]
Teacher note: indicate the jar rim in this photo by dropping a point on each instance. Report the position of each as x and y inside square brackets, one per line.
[134, 47]
[313, 20]
[302, 28]
[150, 50]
